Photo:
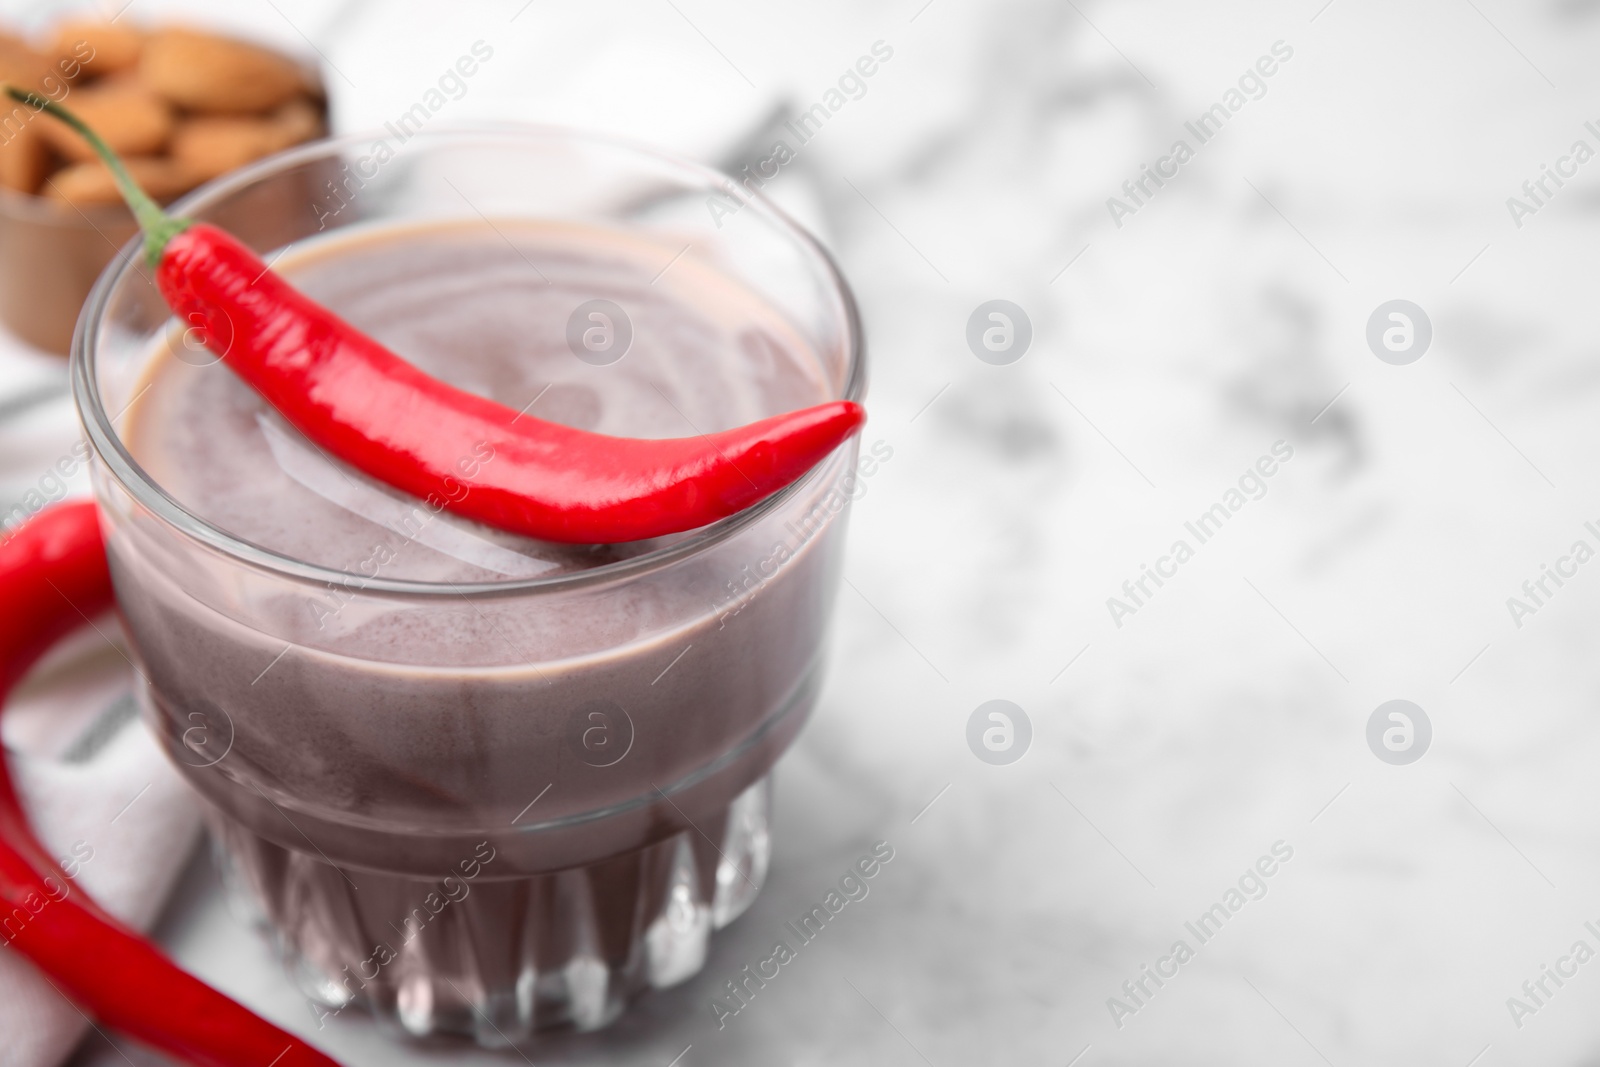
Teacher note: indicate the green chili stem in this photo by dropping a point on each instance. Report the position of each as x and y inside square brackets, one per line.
[158, 227]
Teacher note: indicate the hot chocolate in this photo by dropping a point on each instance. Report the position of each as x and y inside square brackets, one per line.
[480, 783]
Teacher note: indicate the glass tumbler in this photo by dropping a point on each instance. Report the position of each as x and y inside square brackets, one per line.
[545, 799]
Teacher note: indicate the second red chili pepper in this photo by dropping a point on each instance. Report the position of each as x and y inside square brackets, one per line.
[53, 579]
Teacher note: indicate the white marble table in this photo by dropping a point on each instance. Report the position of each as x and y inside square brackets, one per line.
[1229, 712]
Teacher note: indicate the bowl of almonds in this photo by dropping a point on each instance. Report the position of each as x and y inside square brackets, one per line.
[182, 106]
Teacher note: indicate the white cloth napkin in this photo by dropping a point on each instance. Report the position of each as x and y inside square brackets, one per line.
[104, 801]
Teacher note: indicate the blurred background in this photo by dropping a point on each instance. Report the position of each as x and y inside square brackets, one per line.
[1157, 342]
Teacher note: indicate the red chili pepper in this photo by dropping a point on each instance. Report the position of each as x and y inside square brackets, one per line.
[53, 578]
[359, 401]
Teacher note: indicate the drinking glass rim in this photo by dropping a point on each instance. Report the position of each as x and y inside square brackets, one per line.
[108, 445]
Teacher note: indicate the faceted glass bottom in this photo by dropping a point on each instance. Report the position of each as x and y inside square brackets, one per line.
[495, 960]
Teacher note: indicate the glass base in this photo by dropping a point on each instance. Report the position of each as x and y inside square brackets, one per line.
[496, 959]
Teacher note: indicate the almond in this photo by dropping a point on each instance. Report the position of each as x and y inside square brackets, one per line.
[95, 47]
[211, 146]
[131, 119]
[297, 121]
[24, 156]
[21, 66]
[87, 184]
[218, 75]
